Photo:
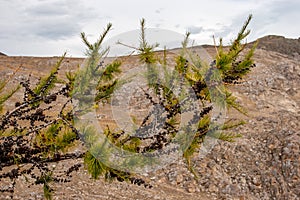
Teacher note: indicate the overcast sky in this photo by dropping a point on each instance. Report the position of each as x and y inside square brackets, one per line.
[50, 27]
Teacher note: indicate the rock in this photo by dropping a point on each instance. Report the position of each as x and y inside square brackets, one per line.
[212, 188]
[256, 181]
[191, 188]
[179, 178]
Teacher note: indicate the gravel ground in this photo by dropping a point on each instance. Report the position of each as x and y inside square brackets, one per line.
[263, 164]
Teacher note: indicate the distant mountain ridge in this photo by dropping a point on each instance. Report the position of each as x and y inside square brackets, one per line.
[279, 44]
[275, 43]
[2, 54]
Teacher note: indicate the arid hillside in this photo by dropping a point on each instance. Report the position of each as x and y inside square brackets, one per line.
[263, 164]
[280, 44]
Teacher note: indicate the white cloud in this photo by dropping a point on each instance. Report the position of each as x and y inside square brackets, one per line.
[195, 29]
[40, 27]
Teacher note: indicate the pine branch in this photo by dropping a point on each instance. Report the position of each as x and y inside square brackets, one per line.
[103, 35]
[185, 42]
[48, 82]
[6, 96]
[242, 34]
[85, 41]
[143, 42]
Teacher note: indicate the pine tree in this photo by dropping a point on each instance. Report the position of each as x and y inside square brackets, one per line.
[95, 83]
[208, 80]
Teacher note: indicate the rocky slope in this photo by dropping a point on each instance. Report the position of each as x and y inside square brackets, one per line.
[280, 44]
[263, 164]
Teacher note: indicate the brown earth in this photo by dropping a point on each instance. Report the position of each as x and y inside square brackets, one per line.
[263, 164]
